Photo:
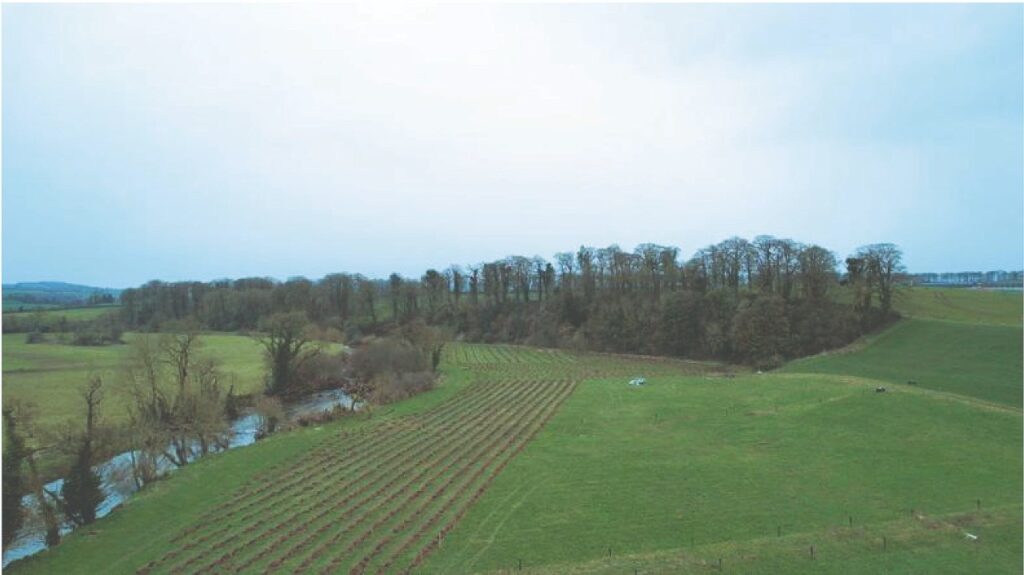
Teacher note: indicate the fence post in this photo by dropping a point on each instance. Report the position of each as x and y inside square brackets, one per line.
[885, 544]
[851, 521]
[812, 551]
[778, 531]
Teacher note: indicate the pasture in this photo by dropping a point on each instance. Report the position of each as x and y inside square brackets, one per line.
[50, 315]
[964, 341]
[50, 375]
[973, 359]
[692, 464]
[994, 307]
[550, 458]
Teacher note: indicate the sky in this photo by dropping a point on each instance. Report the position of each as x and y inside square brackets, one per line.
[191, 142]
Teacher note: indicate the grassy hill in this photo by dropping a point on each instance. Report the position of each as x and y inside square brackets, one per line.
[956, 340]
[990, 307]
[977, 360]
[43, 295]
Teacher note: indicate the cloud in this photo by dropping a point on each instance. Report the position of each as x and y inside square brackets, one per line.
[308, 139]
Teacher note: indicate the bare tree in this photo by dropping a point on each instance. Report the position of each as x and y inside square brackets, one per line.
[46, 500]
[287, 347]
[177, 408]
[368, 297]
[817, 272]
[883, 262]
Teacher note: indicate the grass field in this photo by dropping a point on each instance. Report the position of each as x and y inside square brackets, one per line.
[997, 307]
[53, 314]
[549, 458]
[963, 341]
[978, 360]
[698, 462]
[19, 306]
[50, 374]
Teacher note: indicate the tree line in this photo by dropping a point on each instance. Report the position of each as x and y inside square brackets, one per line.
[758, 301]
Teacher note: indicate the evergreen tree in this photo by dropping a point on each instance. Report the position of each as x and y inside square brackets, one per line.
[81, 493]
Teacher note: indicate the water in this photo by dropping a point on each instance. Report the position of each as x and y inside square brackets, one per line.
[118, 483]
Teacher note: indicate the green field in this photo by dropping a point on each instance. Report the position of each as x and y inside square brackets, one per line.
[52, 314]
[978, 360]
[961, 341]
[997, 307]
[20, 306]
[550, 459]
[698, 465]
[50, 374]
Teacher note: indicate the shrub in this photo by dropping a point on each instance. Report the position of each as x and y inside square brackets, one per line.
[391, 387]
[104, 330]
[386, 356]
[272, 416]
[324, 371]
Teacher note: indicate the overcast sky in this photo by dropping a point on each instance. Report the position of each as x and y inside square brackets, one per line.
[188, 142]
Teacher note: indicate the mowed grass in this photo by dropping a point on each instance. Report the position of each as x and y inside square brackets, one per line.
[976, 360]
[693, 462]
[919, 544]
[17, 306]
[50, 375]
[52, 314]
[996, 307]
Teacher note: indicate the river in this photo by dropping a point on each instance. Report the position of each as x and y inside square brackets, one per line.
[118, 484]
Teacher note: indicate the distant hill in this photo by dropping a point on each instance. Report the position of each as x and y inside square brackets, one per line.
[52, 294]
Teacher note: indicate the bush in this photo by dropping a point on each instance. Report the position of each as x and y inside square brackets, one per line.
[104, 330]
[328, 415]
[324, 371]
[35, 337]
[391, 387]
[387, 356]
[272, 416]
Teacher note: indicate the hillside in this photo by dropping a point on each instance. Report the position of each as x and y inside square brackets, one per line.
[36, 295]
[955, 340]
[978, 306]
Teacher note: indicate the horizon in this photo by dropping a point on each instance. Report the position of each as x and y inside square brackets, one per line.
[314, 278]
[294, 141]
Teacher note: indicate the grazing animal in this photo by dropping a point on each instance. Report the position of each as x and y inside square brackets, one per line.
[879, 389]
